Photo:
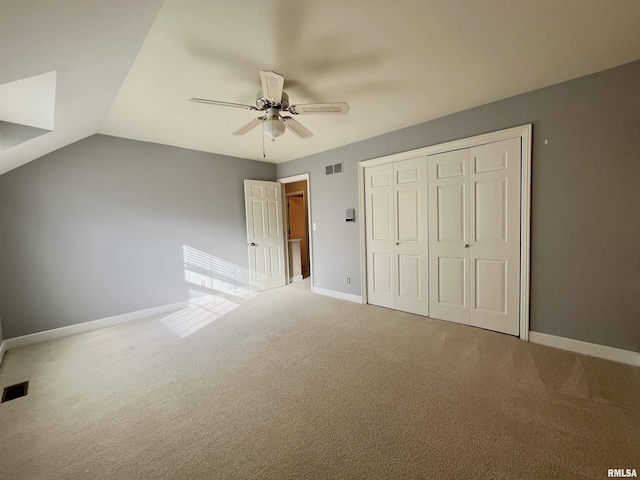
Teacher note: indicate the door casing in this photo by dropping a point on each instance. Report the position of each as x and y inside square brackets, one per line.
[298, 178]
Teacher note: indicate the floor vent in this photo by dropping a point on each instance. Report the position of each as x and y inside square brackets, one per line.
[15, 391]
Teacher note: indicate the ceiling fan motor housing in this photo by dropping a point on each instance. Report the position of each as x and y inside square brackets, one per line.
[262, 103]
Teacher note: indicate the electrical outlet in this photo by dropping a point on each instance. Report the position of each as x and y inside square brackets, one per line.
[202, 283]
[348, 280]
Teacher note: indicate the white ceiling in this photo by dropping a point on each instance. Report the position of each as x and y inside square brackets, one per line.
[396, 63]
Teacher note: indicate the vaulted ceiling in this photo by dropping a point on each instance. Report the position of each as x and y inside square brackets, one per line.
[126, 68]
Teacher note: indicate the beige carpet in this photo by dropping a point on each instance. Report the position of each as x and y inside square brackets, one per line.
[291, 385]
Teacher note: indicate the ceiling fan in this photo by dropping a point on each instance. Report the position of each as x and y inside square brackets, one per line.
[273, 100]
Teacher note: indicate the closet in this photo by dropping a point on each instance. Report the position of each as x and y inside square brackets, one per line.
[442, 232]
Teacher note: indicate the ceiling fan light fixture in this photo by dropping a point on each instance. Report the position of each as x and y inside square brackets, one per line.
[273, 127]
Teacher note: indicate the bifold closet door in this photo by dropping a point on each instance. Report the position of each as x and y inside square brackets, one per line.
[448, 175]
[379, 235]
[396, 230]
[411, 255]
[474, 236]
[494, 204]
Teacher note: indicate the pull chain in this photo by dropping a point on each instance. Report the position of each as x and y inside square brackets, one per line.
[264, 155]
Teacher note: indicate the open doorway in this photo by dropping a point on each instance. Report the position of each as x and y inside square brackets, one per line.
[297, 202]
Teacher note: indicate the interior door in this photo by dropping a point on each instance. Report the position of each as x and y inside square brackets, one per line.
[265, 234]
[494, 264]
[379, 230]
[410, 211]
[448, 187]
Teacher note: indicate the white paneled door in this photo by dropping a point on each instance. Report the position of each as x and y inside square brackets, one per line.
[449, 236]
[396, 230]
[474, 235]
[380, 237]
[265, 234]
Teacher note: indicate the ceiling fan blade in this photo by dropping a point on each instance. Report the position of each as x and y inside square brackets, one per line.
[296, 127]
[249, 126]
[337, 108]
[223, 104]
[272, 85]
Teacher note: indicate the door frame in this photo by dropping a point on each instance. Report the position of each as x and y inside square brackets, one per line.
[524, 132]
[298, 178]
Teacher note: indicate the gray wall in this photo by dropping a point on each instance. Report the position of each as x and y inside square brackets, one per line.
[97, 229]
[585, 238]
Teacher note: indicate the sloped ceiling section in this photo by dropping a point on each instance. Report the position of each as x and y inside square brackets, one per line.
[91, 44]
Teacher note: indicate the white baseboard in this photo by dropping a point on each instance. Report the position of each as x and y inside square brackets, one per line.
[47, 335]
[297, 278]
[343, 296]
[586, 348]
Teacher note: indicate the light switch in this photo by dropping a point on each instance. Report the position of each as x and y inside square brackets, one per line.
[315, 226]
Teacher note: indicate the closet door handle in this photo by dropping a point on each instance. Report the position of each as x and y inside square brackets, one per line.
[253, 244]
[397, 243]
[466, 245]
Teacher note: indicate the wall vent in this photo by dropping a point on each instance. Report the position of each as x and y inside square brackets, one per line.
[331, 169]
[15, 391]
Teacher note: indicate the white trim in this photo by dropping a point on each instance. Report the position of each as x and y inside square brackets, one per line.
[299, 178]
[3, 349]
[294, 178]
[47, 335]
[450, 146]
[586, 348]
[363, 236]
[297, 278]
[524, 133]
[341, 295]
[525, 231]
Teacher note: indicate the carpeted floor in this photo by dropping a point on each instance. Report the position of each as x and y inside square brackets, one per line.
[291, 385]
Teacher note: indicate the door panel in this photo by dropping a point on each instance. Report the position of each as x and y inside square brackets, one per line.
[258, 220]
[265, 234]
[274, 227]
[407, 208]
[452, 281]
[451, 212]
[491, 210]
[379, 235]
[495, 236]
[382, 273]
[381, 220]
[409, 276]
[411, 258]
[491, 285]
[448, 235]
